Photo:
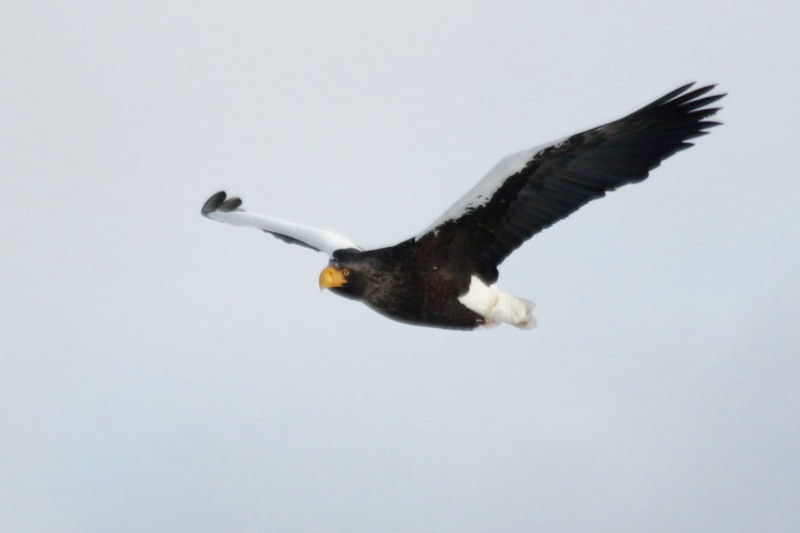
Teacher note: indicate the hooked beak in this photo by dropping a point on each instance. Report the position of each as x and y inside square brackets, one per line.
[330, 278]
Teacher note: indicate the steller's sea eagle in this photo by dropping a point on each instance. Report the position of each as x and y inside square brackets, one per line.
[444, 276]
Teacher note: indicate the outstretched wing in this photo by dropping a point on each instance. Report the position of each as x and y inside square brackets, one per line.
[529, 191]
[220, 207]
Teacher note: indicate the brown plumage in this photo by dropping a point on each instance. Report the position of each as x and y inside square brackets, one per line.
[443, 277]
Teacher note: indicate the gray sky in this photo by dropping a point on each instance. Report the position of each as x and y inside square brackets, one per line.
[161, 372]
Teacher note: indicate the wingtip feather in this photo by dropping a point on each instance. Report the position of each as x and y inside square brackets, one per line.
[220, 202]
[213, 202]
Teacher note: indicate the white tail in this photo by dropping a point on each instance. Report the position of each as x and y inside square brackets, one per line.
[497, 307]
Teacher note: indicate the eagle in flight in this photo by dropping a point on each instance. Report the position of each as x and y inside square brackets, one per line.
[445, 276]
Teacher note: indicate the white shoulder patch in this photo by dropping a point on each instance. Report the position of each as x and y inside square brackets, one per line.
[496, 306]
[319, 239]
[483, 191]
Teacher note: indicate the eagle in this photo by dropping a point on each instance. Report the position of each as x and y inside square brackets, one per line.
[445, 275]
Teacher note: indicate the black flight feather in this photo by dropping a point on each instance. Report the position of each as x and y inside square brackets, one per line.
[562, 177]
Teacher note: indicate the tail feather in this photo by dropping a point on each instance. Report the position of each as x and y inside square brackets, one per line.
[515, 311]
[497, 307]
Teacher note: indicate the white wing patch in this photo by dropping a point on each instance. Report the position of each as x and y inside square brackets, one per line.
[319, 239]
[483, 191]
[497, 307]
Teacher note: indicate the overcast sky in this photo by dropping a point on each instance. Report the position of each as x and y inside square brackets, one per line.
[163, 372]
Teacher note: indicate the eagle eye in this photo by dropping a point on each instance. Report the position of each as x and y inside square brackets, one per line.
[346, 272]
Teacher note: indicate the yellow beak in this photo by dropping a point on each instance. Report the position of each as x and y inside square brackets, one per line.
[331, 278]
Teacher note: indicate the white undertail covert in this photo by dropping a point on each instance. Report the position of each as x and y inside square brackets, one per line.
[497, 307]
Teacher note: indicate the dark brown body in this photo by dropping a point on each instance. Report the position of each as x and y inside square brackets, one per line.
[406, 284]
[419, 281]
